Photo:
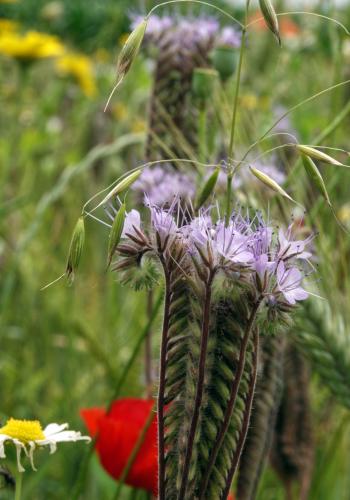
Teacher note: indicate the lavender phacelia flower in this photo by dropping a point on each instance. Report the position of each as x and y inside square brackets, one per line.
[229, 37]
[289, 283]
[243, 249]
[162, 184]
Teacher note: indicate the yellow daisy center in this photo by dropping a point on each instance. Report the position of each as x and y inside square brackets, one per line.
[23, 430]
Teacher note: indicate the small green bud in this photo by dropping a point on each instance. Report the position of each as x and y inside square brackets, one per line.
[225, 61]
[76, 248]
[315, 176]
[208, 188]
[270, 17]
[116, 233]
[203, 83]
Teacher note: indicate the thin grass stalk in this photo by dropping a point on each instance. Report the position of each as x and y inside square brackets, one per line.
[247, 413]
[200, 385]
[161, 390]
[234, 115]
[231, 403]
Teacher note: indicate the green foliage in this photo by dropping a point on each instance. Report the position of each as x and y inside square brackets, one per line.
[321, 337]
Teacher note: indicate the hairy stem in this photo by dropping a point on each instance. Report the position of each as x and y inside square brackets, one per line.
[231, 403]
[200, 385]
[161, 390]
[148, 347]
[247, 413]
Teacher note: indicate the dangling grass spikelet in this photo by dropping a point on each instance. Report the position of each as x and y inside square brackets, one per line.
[208, 188]
[75, 248]
[128, 54]
[116, 233]
[270, 17]
[315, 176]
[120, 187]
[265, 179]
[318, 155]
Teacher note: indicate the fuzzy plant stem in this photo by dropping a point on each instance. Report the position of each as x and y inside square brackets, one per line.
[247, 413]
[200, 385]
[231, 403]
[234, 117]
[148, 347]
[161, 390]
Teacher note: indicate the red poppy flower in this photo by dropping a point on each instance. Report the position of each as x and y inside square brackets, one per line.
[117, 432]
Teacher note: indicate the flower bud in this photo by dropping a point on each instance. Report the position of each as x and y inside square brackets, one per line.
[76, 248]
[225, 61]
[116, 233]
[270, 17]
[203, 83]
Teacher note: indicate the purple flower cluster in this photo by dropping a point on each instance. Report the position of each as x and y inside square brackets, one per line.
[244, 249]
[200, 28]
[160, 185]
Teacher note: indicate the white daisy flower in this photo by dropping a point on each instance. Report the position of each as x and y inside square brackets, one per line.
[27, 435]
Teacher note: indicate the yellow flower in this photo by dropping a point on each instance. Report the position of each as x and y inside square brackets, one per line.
[249, 101]
[80, 67]
[27, 435]
[120, 111]
[30, 45]
[7, 25]
[138, 126]
[344, 213]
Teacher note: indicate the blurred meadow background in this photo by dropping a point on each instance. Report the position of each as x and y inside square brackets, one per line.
[65, 348]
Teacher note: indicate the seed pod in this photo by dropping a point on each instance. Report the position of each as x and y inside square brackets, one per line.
[116, 233]
[130, 49]
[315, 176]
[208, 188]
[318, 155]
[225, 61]
[120, 187]
[270, 18]
[270, 183]
[75, 248]
[203, 83]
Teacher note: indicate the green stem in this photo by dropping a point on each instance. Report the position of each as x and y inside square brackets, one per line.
[134, 453]
[234, 116]
[200, 385]
[231, 402]
[203, 133]
[18, 491]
